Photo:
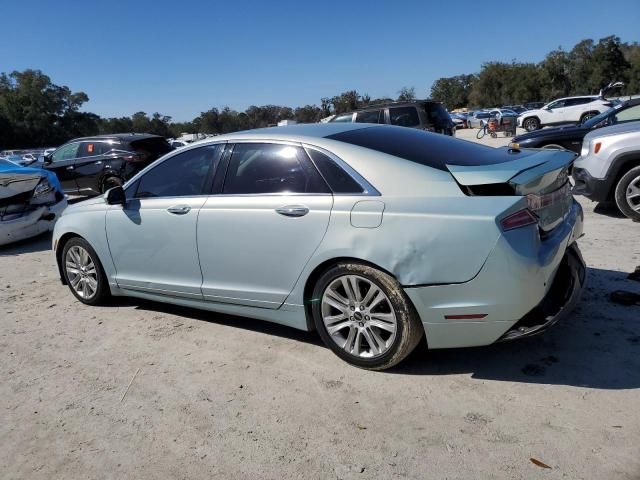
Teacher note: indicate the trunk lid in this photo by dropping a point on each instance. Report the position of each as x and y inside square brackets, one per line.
[540, 175]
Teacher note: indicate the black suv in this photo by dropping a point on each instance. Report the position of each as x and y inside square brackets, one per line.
[570, 136]
[423, 114]
[93, 165]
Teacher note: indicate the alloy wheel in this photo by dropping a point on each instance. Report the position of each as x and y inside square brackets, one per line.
[358, 316]
[633, 194]
[81, 272]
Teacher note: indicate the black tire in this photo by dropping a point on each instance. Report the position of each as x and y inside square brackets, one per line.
[531, 123]
[481, 132]
[409, 328]
[111, 182]
[627, 185]
[102, 292]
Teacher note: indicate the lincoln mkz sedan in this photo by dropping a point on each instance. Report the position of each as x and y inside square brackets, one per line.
[373, 235]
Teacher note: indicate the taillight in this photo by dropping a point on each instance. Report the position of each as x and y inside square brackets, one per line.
[521, 218]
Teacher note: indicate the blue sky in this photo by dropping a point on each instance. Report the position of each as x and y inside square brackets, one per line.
[181, 58]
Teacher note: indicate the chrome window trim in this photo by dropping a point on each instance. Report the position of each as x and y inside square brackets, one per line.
[369, 190]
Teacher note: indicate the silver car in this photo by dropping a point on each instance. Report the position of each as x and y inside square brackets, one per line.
[373, 235]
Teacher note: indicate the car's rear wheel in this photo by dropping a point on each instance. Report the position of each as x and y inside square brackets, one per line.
[530, 124]
[111, 182]
[83, 272]
[363, 315]
[627, 194]
[587, 116]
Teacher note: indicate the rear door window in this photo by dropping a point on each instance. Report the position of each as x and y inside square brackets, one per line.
[183, 175]
[261, 168]
[370, 116]
[92, 149]
[404, 116]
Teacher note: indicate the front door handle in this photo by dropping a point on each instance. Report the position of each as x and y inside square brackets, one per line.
[179, 209]
[293, 210]
[71, 167]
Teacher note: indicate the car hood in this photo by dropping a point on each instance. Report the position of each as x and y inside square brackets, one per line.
[17, 180]
[562, 130]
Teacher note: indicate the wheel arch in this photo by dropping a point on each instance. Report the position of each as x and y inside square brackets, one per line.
[318, 271]
[62, 241]
[589, 112]
[619, 166]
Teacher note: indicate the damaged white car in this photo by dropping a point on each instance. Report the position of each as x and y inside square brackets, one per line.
[31, 200]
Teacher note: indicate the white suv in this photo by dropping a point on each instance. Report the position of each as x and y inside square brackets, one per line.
[563, 110]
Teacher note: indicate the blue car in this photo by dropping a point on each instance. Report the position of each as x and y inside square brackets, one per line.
[31, 200]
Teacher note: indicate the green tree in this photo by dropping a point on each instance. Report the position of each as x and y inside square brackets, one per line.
[406, 93]
[453, 91]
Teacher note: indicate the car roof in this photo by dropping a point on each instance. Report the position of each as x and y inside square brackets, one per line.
[127, 137]
[576, 96]
[390, 103]
[298, 132]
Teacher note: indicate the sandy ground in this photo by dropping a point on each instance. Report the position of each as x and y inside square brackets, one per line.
[213, 396]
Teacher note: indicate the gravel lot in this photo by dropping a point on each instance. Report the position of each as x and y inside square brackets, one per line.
[145, 390]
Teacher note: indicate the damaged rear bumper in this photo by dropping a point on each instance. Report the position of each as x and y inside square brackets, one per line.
[561, 299]
[35, 222]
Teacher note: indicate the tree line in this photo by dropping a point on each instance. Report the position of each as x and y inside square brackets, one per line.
[36, 112]
[583, 70]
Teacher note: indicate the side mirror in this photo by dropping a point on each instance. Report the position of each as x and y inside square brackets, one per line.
[115, 196]
[47, 159]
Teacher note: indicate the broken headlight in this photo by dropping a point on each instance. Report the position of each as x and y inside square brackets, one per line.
[43, 193]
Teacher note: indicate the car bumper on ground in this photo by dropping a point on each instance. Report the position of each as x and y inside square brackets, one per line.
[525, 286]
[595, 189]
[38, 221]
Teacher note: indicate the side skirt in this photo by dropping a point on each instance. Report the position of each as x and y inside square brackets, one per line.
[288, 315]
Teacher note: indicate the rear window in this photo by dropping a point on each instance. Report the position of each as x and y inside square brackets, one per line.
[404, 116]
[436, 113]
[151, 148]
[429, 149]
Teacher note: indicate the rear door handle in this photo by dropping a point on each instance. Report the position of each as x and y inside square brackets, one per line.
[71, 167]
[179, 209]
[293, 210]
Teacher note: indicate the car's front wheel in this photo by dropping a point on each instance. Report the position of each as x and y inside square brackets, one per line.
[83, 272]
[530, 124]
[627, 194]
[364, 316]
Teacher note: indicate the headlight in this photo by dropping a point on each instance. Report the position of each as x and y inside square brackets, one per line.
[585, 149]
[43, 194]
[42, 188]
